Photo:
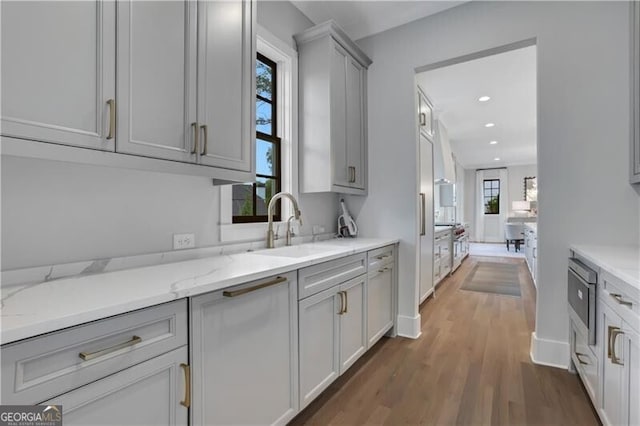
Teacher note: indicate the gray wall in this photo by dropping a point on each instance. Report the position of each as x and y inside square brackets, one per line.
[55, 212]
[583, 131]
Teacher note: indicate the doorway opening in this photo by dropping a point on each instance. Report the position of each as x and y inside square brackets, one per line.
[477, 120]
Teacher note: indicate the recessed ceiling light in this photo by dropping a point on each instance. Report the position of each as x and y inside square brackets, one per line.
[484, 98]
[496, 159]
[493, 142]
[489, 125]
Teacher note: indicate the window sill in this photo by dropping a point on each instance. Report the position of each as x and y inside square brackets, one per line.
[242, 232]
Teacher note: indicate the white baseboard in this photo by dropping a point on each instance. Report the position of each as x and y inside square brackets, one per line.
[409, 326]
[551, 353]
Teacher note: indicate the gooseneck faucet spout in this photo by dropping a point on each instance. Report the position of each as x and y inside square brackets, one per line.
[296, 213]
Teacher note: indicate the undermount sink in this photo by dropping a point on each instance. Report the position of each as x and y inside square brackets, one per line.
[296, 251]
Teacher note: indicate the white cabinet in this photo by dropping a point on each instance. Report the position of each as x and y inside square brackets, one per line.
[531, 252]
[244, 353]
[426, 121]
[226, 84]
[157, 85]
[185, 82]
[151, 393]
[443, 255]
[333, 335]
[333, 118]
[635, 93]
[206, 48]
[631, 380]
[613, 368]
[58, 72]
[381, 298]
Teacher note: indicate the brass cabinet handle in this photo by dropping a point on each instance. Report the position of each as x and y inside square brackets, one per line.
[234, 293]
[194, 126]
[383, 256]
[423, 119]
[341, 294]
[352, 174]
[618, 298]
[383, 270]
[86, 356]
[186, 402]
[112, 118]
[615, 332]
[205, 130]
[346, 302]
[578, 355]
[423, 228]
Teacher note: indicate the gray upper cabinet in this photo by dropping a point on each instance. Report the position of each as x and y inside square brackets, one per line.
[333, 111]
[226, 81]
[635, 93]
[182, 90]
[157, 86]
[190, 100]
[58, 72]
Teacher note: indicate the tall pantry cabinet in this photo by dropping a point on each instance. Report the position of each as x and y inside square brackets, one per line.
[333, 111]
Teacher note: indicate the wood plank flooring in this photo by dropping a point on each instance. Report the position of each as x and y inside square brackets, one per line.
[470, 366]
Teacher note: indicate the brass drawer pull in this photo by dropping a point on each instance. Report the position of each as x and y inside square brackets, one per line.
[86, 356]
[383, 270]
[341, 294]
[578, 355]
[383, 257]
[205, 130]
[618, 298]
[194, 126]
[112, 118]
[240, 292]
[423, 119]
[186, 402]
[352, 174]
[615, 332]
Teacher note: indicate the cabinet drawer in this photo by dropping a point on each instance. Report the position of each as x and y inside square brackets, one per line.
[380, 257]
[621, 297]
[586, 362]
[40, 368]
[320, 277]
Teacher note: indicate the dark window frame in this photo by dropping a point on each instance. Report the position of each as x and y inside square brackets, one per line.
[490, 196]
[277, 148]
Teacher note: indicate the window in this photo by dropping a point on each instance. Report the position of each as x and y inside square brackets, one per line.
[250, 200]
[491, 188]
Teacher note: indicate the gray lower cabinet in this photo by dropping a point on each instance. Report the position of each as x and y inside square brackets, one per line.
[333, 335]
[244, 353]
[151, 393]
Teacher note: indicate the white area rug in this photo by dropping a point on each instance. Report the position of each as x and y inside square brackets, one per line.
[496, 250]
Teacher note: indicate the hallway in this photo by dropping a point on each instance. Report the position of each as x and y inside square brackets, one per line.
[470, 366]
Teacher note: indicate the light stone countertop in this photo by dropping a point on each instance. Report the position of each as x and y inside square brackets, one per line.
[623, 262]
[32, 309]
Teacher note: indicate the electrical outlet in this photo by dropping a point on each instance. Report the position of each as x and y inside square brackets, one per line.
[183, 241]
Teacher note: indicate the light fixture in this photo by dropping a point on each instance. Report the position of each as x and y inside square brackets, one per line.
[489, 125]
[484, 98]
[496, 159]
[493, 142]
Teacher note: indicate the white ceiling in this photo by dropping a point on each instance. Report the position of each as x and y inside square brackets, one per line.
[510, 80]
[364, 18]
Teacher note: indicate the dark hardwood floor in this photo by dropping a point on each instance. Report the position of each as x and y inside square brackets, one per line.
[470, 366]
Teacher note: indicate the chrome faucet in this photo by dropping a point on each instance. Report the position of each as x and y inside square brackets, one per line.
[296, 212]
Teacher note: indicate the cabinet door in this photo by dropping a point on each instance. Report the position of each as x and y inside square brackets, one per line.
[631, 392]
[353, 322]
[380, 303]
[149, 393]
[157, 78]
[244, 354]
[226, 83]
[58, 71]
[425, 116]
[612, 373]
[319, 342]
[355, 123]
[338, 120]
